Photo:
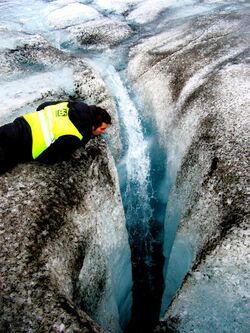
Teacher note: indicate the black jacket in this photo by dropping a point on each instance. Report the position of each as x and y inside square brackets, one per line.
[16, 138]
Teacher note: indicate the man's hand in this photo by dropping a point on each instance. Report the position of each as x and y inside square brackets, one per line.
[77, 154]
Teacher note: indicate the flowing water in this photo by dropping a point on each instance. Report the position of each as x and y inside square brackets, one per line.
[142, 177]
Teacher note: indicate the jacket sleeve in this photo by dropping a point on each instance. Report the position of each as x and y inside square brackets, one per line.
[60, 150]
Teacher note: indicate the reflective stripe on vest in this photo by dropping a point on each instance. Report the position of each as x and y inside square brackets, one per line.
[48, 125]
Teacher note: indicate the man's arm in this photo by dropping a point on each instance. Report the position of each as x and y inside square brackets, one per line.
[60, 150]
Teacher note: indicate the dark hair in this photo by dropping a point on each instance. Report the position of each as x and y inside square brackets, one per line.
[100, 116]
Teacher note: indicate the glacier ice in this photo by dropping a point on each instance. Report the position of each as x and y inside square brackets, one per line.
[190, 77]
[23, 91]
[71, 14]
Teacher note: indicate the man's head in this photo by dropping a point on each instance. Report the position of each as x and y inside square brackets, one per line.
[101, 121]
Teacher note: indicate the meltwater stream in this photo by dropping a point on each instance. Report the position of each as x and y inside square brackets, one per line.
[142, 175]
[137, 192]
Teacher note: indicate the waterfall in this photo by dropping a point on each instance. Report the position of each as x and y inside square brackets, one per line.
[135, 181]
[134, 168]
[141, 174]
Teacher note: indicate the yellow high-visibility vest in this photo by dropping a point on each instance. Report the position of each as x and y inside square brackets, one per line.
[48, 125]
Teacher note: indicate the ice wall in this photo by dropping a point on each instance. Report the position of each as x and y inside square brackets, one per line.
[64, 246]
[215, 296]
[193, 82]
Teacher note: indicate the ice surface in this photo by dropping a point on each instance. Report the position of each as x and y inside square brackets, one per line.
[71, 14]
[25, 90]
[12, 39]
[65, 2]
[148, 10]
[99, 34]
[116, 6]
[139, 11]
[39, 16]
[27, 15]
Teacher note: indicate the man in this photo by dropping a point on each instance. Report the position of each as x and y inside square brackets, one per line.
[50, 134]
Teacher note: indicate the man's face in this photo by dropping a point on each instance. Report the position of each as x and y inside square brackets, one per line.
[100, 130]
